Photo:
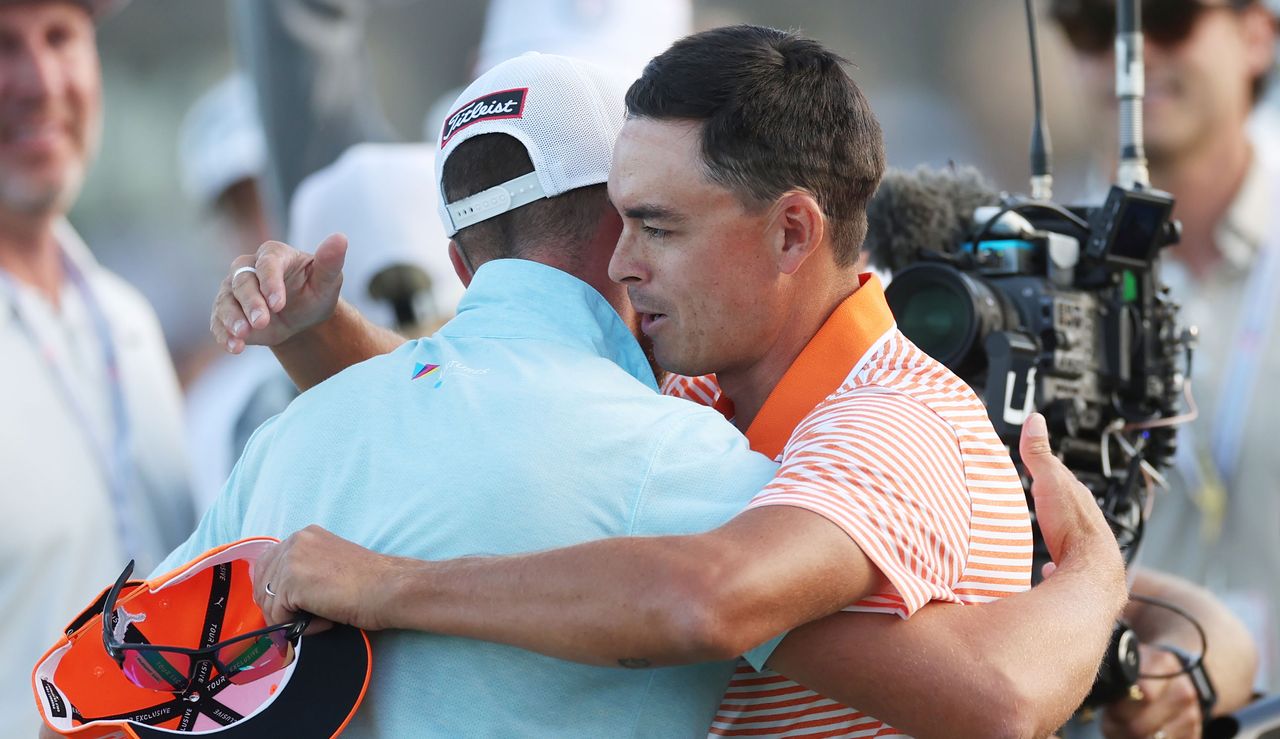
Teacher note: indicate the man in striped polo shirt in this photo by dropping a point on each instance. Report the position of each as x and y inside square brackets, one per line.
[742, 178]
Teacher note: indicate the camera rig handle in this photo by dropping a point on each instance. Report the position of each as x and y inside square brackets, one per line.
[1012, 359]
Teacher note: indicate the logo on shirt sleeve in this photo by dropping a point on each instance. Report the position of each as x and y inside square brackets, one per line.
[494, 106]
[438, 371]
[422, 370]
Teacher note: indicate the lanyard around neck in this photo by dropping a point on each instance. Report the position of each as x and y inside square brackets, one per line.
[114, 454]
[1248, 349]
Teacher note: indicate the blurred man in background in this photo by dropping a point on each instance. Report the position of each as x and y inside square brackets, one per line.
[398, 273]
[222, 157]
[1207, 65]
[90, 430]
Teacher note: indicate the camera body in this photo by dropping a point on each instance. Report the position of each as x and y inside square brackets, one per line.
[1062, 311]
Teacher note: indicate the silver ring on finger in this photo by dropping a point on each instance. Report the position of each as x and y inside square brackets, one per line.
[241, 271]
[1159, 734]
[272, 593]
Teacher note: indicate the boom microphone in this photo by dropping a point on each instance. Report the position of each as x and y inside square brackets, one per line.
[923, 212]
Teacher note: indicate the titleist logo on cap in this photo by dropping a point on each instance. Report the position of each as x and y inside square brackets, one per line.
[495, 105]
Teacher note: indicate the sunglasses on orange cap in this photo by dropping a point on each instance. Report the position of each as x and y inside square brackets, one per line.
[173, 669]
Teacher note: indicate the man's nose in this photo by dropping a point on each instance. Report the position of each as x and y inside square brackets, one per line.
[37, 72]
[625, 266]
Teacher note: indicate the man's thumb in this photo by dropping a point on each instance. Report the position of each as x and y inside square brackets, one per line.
[1034, 445]
[331, 254]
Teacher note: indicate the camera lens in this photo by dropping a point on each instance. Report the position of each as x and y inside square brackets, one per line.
[946, 313]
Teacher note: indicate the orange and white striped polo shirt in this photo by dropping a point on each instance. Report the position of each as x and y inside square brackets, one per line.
[889, 445]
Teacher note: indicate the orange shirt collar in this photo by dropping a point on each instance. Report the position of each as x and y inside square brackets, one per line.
[844, 339]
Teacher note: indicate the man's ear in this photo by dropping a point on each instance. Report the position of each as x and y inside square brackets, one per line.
[802, 227]
[1259, 37]
[459, 262]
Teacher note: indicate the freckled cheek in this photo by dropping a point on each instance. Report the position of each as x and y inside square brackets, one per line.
[710, 322]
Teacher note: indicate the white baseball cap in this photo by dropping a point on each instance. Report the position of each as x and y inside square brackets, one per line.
[221, 140]
[379, 195]
[104, 8]
[566, 112]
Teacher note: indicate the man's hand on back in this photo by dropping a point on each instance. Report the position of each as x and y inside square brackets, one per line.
[318, 572]
[290, 292]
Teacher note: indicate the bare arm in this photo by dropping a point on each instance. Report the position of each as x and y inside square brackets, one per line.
[1015, 667]
[1232, 657]
[1171, 705]
[290, 303]
[324, 350]
[635, 602]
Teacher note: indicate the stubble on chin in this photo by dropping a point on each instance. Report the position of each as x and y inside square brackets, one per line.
[659, 373]
[31, 197]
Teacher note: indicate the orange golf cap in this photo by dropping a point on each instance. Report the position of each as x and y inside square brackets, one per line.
[82, 692]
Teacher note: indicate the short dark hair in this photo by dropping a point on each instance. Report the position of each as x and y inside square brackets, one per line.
[778, 113]
[562, 222]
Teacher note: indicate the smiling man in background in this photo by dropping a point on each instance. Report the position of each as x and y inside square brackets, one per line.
[90, 432]
[1208, 64]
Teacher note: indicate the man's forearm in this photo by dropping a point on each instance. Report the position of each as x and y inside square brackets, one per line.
[589, 604]
[1018, 666]
[324, 350]
[1231, 659]
[1014, 667]
[633, 602]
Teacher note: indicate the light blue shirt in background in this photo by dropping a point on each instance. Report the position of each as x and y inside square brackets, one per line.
[539, 427]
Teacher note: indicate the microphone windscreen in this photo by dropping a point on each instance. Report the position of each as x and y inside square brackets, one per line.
[923, 209]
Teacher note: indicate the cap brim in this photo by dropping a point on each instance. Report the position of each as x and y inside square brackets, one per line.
[99, 9]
